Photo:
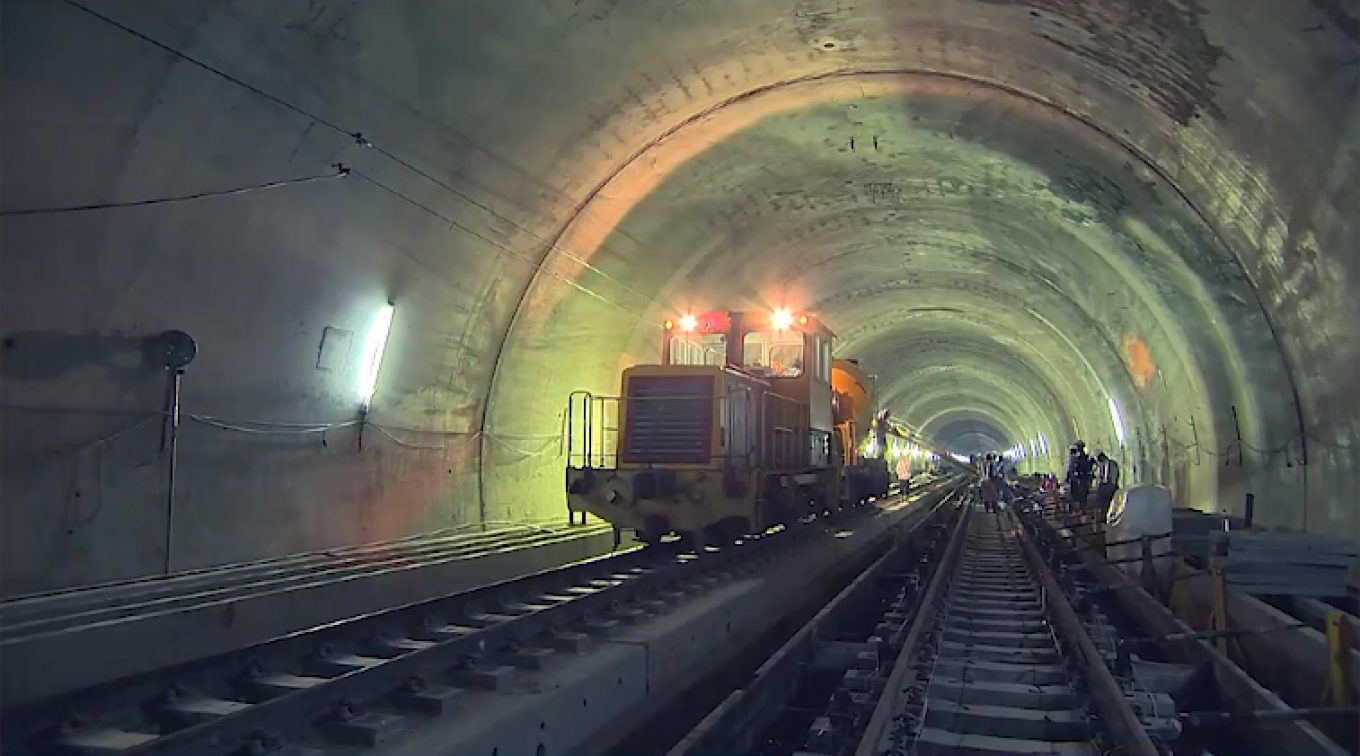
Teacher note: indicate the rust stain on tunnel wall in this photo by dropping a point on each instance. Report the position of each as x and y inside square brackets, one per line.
[1138, 358]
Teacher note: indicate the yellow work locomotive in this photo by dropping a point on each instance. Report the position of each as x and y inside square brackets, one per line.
[745, 423]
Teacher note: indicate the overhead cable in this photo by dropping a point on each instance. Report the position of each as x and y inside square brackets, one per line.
[363, 141]
[340, 172]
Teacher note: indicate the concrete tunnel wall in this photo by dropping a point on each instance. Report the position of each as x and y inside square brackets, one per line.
[1045, 204]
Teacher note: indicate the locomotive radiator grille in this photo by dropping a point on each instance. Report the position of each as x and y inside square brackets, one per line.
[668, 419]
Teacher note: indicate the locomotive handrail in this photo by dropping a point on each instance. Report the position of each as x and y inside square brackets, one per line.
[591, 443]
[772, 433]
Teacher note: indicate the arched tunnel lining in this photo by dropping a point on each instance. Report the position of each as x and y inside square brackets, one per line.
[1230, 362]
[1134, 419]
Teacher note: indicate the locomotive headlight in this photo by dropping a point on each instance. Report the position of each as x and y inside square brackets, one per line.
[688, 323]
[782, 320]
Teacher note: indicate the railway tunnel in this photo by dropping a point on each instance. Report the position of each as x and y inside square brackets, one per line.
[1018, 215]
[1129, 222]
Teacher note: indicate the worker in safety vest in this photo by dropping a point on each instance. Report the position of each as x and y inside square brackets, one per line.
[904, 474]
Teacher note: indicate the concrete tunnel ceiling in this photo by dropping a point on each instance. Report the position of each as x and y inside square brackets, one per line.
[980, 251]
[1011, 213]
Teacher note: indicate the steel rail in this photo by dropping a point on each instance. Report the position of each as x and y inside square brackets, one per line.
[23, 618]
[729, 726]
[552, 601]
[1109, 700]
[1110, 705]
[65, 653]
[889, 702]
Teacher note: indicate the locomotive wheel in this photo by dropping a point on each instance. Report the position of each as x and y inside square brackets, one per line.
[726, 532]
[693, 539]
[780, 509]
[651, 539]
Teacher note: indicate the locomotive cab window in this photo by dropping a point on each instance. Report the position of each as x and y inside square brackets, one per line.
[774, 354]
[699, 349]
[821, 355]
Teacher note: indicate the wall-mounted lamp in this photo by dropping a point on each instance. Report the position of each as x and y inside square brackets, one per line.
[1118, 421]
[374, 347]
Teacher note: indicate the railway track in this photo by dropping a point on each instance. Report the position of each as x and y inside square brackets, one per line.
[992, 677]
[957, 642]
[29, 615]
[364, 681]
[56, 642]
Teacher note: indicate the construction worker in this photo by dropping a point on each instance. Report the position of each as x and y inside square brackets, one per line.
[904, 474]
[1079, 469]
[1107, 481]
[1002, 472]
[881, 431]
[990, 491]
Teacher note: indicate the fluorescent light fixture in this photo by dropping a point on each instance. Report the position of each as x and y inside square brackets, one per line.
[1118, 421]
[374, 347]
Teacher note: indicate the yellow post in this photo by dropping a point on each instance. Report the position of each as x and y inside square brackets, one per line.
[1338, 662]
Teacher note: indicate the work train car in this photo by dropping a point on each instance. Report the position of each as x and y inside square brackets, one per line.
[738, 428]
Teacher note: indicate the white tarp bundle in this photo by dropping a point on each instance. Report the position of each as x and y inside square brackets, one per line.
[1134, 513]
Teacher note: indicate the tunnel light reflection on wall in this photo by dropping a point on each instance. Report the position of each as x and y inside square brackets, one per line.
[1118, 421]
[374, 346]
[1043, 444]
[1033, 450]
